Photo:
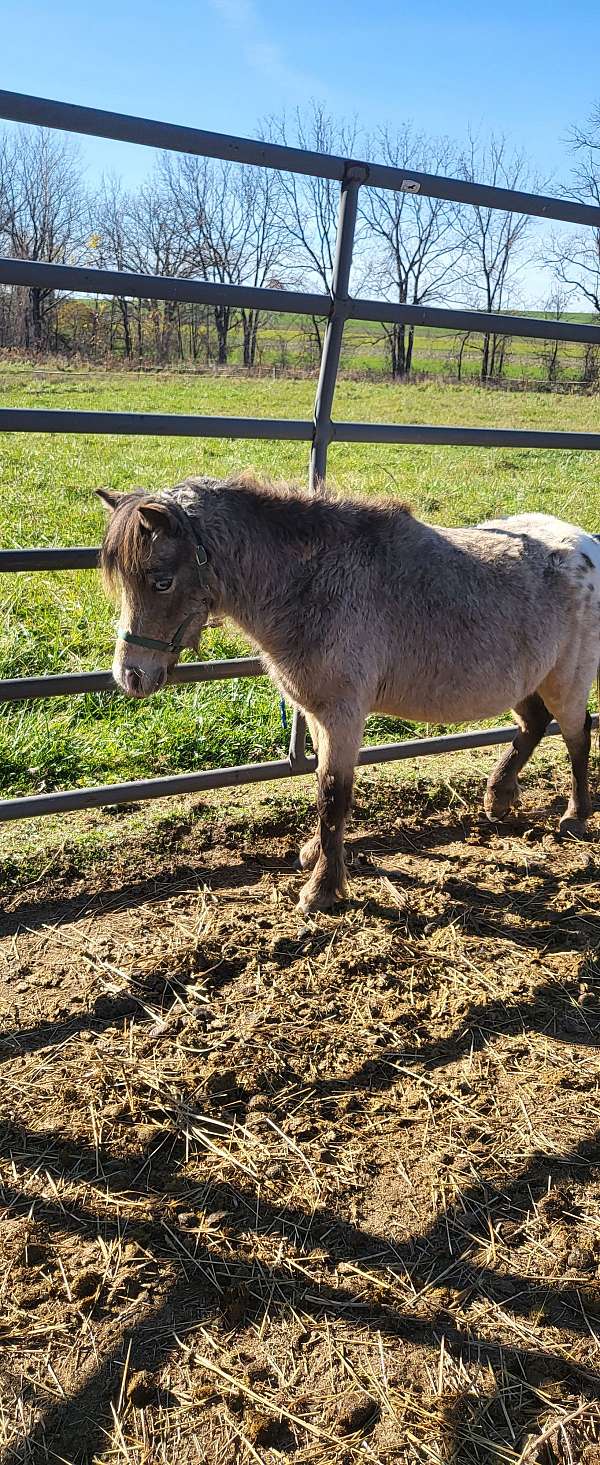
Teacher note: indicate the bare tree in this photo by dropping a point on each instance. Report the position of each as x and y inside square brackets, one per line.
[417, 246]
[549, 351]
[460, 342]
[42, 213]
[144, 232]
[158, 246]
[229, 224]
[576, 264]
[494, 242]
[8, 296]
[576, 255]
[6, 187]
[308, 207]
[262, 255]
[110, 240]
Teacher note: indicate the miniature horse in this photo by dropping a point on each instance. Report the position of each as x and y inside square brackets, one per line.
[357, 607]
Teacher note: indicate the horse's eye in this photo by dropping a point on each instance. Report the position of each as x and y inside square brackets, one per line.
[163, 585]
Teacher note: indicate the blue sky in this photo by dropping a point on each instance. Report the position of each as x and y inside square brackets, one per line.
[529, 69]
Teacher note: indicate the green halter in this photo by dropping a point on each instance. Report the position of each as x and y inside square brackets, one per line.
[152, 643]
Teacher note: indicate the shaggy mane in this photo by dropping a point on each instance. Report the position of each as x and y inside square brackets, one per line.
[323, 493]
[127, 544]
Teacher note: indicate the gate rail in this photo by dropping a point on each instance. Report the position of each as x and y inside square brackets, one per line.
[337, 308]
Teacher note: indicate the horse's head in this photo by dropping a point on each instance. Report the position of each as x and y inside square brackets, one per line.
[151, 558]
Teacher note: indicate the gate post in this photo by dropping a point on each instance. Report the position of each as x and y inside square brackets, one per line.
[355, 175]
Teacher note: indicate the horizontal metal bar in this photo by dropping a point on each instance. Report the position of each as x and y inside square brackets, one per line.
[91, 121]
[151, 424]
[122, 127]
[470, 437]
[20, 689]
[145, 788]
[479, 321]
[67, 800]
[163, 424]
[28, 560]
[445, 743]
[84, 281]
[291, 302]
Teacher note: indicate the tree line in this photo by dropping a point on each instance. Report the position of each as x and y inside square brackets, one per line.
[218, 221]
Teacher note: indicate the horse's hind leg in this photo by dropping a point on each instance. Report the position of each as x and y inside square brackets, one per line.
[502, 791]
[339, 741]
[566, 692]
[579, 742]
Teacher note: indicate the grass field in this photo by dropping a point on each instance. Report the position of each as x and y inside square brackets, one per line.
[436, 352]
[62, 621]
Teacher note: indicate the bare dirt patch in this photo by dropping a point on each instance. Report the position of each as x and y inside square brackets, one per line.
[276, 1189]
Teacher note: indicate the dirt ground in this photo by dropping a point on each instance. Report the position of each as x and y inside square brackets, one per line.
[276, 1189]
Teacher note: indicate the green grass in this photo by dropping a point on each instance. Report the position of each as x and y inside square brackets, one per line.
[62, 622]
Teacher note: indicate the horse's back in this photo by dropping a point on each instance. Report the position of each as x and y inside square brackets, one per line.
[554, 537]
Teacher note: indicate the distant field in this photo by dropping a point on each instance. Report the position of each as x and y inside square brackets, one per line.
[435, 353]
[288, 342]
[63, 622]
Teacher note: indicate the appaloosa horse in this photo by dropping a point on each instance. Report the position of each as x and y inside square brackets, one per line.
[358, 607]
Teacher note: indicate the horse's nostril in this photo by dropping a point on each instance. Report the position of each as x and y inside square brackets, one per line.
[134, 677]
[161, 677]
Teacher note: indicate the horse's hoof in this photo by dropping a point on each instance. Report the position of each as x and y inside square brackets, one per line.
[498, 805]
[496, 814]
[319, 898]
[570, 827]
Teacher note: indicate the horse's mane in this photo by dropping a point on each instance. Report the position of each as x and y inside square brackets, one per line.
[127, 545]
[322, 493]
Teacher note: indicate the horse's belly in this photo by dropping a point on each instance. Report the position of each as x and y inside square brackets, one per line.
[432, 711]
[434, 704]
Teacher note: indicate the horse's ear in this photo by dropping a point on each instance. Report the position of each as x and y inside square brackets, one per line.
[158, 518]
[110, 500]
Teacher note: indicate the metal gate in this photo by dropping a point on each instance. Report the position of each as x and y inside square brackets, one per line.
[336, 308]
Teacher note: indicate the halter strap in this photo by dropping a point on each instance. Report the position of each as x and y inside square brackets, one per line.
[152, 643]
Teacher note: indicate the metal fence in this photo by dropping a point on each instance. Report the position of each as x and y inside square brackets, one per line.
[336, 308]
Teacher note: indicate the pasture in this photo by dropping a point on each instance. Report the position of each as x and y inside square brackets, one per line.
[288, 343]
[272, 1188]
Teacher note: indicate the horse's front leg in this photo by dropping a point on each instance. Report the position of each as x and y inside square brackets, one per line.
[311, 849]
[339, 738]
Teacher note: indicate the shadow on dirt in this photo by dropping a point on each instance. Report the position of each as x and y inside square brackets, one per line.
[229, 1289]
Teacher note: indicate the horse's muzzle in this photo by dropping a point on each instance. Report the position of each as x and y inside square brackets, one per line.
[138, 682]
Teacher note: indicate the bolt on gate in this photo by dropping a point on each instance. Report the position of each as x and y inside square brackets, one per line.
[336, 308]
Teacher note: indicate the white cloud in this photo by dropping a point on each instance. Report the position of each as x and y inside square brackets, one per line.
[237, 13]
[263, 55]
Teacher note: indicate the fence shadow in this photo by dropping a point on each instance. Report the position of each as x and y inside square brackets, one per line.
[32, 915]
[74, 1429]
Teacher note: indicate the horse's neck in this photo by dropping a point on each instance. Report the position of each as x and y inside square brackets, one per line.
[249, 562]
